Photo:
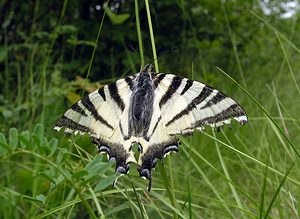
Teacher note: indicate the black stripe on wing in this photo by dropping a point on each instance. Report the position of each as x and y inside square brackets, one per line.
[102, 93]
[232, 111]
[78, 109]
[87, 103]
[159, 79]
[154, 128]
[68, 123]
[114, 93]
[175, 84]
[188, 84]
[129, 82]
[206, 91]
[125, 137]
[216, 99]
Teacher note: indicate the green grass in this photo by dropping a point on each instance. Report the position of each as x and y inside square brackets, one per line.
[240, 172]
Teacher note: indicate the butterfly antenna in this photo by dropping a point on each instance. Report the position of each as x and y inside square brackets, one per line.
[132, 48]
[147, 60]
[163, 54]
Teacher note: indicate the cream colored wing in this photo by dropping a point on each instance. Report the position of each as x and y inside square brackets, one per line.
[103, 114]
[187, 105]
[181, 106]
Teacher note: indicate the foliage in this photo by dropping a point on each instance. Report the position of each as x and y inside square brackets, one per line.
[44, 170]
[46, 53]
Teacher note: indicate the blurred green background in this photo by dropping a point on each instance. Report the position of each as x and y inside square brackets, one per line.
[52, 52]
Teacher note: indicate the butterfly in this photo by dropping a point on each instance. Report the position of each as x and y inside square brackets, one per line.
[149, 109]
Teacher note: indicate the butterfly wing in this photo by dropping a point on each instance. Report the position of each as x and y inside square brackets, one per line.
[196, 105]
[103, 114]
[181, 106]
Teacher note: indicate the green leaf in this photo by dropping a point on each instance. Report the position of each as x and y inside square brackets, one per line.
[3, 53]
[45, 142]
[2, 138]
[35, 140]
[53, 145]
[66, 29]
[13, 138]
[4, 147]
[106, 182]
[96, 168]
[56, 181]
[116, 19]
[96, 160]
[41, 35]
[41, 198]
[62, 155]
[79, 174]
[25, 139]
[75, 42]
[39, 131]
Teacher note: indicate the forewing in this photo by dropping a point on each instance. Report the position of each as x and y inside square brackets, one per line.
[103, 114]
[186, 105]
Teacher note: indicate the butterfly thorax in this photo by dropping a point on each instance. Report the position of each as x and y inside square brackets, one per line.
[141, 105]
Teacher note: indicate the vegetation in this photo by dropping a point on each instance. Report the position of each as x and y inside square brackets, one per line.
[52, 52]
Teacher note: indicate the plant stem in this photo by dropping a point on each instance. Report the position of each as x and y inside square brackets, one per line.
[93, 54]
[139, 33]
[171, 182]
[81, 197]
[151, 36]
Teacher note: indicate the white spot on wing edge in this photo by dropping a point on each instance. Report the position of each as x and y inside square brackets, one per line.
[56, 128]
[201, 128]
[69, 131]
[241, 118]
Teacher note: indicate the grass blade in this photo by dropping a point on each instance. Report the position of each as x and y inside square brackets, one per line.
[233, 190]
[264, 111]
[151, 36]
[262, 200]
[93, 54]
[288, 62]
[190, 199]
[139, 32]
[171, 182]
[278, 190]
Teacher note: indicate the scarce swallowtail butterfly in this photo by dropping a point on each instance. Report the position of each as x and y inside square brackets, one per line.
[150, 110]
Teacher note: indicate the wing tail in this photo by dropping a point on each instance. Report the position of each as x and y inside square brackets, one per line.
[150, 157]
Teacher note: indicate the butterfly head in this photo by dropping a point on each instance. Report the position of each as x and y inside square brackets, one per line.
[148, 70]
